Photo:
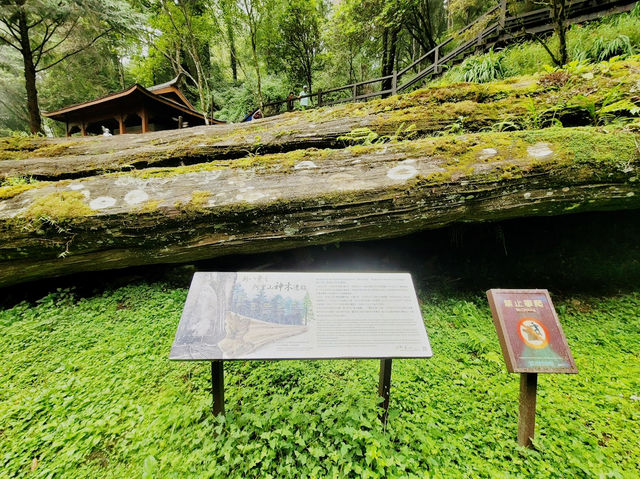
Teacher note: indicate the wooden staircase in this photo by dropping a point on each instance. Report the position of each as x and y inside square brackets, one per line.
[496, 28]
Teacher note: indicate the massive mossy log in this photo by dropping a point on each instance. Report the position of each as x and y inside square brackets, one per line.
[311, 196]
[575, 99]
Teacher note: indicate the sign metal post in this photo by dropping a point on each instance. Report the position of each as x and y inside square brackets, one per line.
[217, 387]
[384, 388]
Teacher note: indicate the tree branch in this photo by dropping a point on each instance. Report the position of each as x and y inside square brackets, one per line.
[546, 47]
[5, 40]
[64, 38]
[76, 51]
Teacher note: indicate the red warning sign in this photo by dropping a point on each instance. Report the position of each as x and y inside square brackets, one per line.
[530, 334]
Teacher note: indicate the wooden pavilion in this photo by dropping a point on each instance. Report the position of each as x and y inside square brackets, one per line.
[134, 110]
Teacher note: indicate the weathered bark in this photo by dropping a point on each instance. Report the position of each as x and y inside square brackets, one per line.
[528, 102]
[308, 197]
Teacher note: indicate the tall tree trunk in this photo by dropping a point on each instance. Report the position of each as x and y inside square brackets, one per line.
[391, 190]
[232, 51]
[559, 9]
[390, 56]
[120, 73]
[385, 38]
[35, 122]
[254, 49]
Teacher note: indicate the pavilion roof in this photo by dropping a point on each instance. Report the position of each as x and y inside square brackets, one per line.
[153, 93]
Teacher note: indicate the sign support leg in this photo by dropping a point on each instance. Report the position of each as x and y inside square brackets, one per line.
[217, 387]
[384, 388]
[527, 415]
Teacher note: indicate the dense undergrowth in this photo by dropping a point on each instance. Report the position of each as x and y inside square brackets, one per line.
[614, 36]
[86, 390]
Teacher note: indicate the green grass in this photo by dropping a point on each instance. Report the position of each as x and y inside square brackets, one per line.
[86, 390]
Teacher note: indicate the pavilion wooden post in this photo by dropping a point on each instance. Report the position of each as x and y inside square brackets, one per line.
[180, 122]
[527, 413]
[145, 120]
[66, 129]
[83, 128]
[384, 388]
[123, 128]
[217, 387]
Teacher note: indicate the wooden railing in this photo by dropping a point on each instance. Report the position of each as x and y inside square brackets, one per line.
[499, 28]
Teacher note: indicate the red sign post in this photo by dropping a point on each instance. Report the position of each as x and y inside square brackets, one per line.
[532, 342]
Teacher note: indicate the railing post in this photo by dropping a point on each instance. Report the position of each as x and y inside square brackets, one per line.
[355, 91]
[503, 12]
[394, 82]
[436, 68]
[319, 97]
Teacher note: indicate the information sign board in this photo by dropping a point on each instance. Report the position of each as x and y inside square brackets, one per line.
[240, 316]
[530, 334]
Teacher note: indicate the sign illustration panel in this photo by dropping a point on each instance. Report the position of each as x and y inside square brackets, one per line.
[530, 334]
[300, 316]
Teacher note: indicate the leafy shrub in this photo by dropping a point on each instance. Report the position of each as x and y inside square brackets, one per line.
[618, 33]
[603, 49]
[484, 68]
[610, 109]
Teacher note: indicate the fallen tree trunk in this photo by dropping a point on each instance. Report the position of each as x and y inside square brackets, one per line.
[522, 103]
[305, 197]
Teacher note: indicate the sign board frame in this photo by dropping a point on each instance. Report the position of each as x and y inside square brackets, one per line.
[538, 310]
[361, 316]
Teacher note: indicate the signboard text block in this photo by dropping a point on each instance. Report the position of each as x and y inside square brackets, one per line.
[230, 316]
[530, 334]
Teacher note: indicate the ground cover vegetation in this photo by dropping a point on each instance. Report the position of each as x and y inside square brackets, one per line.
[87, 391]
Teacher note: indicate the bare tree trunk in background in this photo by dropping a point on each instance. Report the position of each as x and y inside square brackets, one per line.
[232, 50]
[385, 41]
[121, 73]
[253, 20]
[35, 122]
[227, 13]
[390, 41]
[559, 12]
[256, 64]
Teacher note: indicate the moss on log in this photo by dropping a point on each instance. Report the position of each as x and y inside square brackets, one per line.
[575, 99]
[312, 196]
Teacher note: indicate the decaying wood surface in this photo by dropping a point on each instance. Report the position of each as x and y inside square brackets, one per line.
[384, 187]
[522, 103]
